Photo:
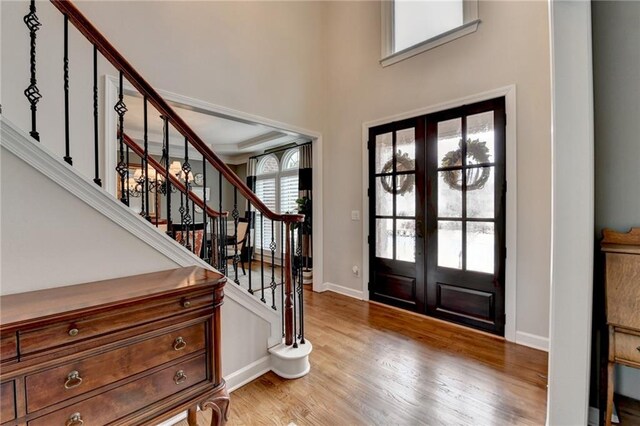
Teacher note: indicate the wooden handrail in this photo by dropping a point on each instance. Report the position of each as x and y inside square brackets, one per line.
[121, 64]
[174, 180]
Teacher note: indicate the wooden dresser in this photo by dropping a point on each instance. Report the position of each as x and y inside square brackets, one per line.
[129, 351]
[622, 291]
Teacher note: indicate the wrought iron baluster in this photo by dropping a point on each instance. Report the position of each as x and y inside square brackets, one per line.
[273, 285]
[186, 169]
[223, 230]
[181, 210]
[67, 148]
[96, 177]
[126, 159]
[167, 182]
[205, 250]
[32, 92]
[145, 164]
[122, 168]
[250, 249]
[262, 258]
[193, 227]
[236, 215]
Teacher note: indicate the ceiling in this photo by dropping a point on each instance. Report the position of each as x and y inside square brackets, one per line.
[224, 136]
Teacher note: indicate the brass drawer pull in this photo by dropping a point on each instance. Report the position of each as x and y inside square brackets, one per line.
[180, 377]
[74, 420]
[186, 303]
[73, 332]
[179, 344]
[73, 380]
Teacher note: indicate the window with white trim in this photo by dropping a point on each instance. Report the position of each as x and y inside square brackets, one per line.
[277, 188]
[410, 27]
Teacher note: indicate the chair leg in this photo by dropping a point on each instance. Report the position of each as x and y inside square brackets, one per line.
[243, 271]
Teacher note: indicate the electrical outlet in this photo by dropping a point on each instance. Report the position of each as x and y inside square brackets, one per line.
[355, 214]
[355, 270]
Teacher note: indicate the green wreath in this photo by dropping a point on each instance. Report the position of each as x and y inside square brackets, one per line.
[476, 177]
[404, 183]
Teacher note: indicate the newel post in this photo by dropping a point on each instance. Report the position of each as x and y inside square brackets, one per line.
[288, 289]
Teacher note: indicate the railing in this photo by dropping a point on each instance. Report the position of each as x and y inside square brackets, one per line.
[219, 232]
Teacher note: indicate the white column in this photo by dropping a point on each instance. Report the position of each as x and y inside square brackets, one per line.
[572, 212]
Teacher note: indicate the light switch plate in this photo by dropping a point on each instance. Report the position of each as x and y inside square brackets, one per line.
[355, 214]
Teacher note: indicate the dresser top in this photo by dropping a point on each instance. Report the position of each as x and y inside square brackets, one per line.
[25, 307]
[621, 242]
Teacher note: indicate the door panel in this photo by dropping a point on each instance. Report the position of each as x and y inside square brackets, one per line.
[396, 157]
[465, 170]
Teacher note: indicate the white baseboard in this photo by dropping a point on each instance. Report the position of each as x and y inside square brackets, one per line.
[346, 291]
[532, 341]
[249, 373]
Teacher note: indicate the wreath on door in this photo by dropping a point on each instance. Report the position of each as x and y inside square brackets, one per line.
[476, 177]
[404, 183]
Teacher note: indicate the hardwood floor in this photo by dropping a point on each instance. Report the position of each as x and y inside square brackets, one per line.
[628, 411]
[372, 364]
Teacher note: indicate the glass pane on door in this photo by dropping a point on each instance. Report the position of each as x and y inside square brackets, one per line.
[384, 153]
[481, 192]
[449, 138]
[384, 238]
[480, 140]
[405, 150]
[480, 246]
[384, 196]
[406, 195]
[450, 244]
[406, 240]
[450, 193]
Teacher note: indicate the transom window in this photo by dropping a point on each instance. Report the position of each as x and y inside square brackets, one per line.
[411, 27]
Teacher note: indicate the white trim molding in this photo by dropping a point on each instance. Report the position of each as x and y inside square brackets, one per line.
[532, 340]
[346, 291]
[509, 93]
[572, 212]
[247, 374]
[110, 129]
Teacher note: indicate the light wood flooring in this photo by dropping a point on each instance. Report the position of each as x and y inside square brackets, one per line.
[375, 365]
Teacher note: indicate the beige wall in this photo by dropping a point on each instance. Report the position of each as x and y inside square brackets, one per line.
[510, 47]
[313, 65]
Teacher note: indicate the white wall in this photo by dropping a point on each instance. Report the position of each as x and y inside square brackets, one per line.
[616, 72]
[510, 47]
[51, 238]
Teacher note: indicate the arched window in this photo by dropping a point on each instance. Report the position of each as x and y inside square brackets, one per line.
[268, 164]
[289, 181]
[277, 187]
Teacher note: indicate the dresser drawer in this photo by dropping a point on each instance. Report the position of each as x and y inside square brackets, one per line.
[7, 401]
[68, 332]
[627, 348]
[8, 347]
[121, 401]
[74, 378]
